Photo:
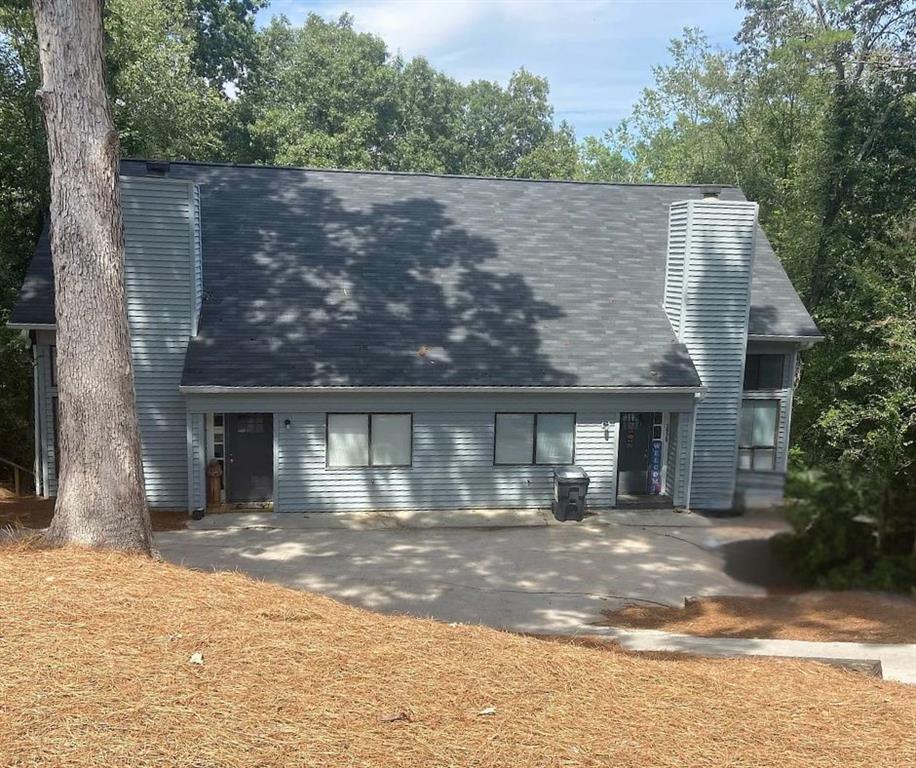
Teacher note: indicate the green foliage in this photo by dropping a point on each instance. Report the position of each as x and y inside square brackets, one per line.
[835, 544]
[325, 95]
[555, 157]
[23, 196]
[162, 106]
[225, 42]
[603, 160]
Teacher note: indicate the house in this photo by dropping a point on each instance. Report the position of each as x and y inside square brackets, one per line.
[341, 340]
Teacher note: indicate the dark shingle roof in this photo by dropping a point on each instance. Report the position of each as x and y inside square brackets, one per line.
[36, 298]
[338, 278]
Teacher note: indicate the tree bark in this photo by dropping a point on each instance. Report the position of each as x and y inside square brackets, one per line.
[101, 499]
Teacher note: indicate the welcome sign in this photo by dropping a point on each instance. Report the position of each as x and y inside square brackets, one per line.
[655, 468]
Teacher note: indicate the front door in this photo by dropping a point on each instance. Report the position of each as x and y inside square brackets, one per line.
[633, 458]
[250, 451]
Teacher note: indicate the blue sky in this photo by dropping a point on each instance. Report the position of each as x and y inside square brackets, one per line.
[596, 54]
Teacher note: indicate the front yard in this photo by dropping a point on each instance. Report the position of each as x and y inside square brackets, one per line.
[112, 660]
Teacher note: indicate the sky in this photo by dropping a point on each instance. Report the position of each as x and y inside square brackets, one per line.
[596, 54]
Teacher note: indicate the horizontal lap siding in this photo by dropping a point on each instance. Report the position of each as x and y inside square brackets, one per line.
[674, 273]
[452, 468]
[713, 325]
[46, 416]
[198, 259]
[158, 277]
[759, 490]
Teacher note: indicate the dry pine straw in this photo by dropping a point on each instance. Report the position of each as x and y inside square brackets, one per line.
[35, 512]
[96, 671]
[867, 617]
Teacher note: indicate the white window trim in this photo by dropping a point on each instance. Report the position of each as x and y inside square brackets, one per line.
[763, 396]
[370, 465]
[211, 430]
[534, 437]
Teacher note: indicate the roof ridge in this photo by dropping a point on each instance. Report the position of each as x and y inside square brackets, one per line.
[428, 174]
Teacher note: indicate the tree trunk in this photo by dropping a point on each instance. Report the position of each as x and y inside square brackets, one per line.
[101, 498]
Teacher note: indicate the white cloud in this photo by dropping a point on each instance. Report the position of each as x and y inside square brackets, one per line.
[412, 26]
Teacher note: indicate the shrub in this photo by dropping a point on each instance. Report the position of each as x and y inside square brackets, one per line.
[842, 537]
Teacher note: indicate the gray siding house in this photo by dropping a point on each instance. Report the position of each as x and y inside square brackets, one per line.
[336, 340]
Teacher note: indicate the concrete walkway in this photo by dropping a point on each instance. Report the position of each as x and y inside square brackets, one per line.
[898, 662]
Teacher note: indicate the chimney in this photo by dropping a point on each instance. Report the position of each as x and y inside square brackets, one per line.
[707, 299]
[157, 167]
[710, 191]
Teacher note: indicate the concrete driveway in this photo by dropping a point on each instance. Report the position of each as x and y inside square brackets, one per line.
[505, 570]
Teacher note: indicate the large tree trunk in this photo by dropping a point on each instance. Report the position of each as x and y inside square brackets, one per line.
[101, 500]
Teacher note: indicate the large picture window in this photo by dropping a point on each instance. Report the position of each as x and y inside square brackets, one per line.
[763, 372]
[369, 439]
[534, 438]
[757, 436]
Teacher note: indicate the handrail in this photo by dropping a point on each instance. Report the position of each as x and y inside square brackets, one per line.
[17, 466]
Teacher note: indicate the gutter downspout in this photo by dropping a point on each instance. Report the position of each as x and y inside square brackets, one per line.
[36, 413]
[693, 433]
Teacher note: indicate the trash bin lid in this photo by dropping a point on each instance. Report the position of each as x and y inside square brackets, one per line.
[572, 472]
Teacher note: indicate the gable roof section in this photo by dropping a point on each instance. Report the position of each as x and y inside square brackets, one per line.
[36, 297]
[340, 278]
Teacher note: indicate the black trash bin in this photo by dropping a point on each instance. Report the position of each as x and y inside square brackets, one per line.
[570, 485]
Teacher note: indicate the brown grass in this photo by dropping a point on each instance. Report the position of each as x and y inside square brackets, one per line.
[35, 513]
[866, 617]
[96, 651]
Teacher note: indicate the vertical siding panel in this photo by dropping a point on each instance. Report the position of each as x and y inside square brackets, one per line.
[46, 416]
[671, 457]
[719, 254]
[684, 451]
[785, 413]
[197, 462]
[158, 276]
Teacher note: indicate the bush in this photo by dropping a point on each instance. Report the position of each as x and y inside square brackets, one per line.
[840, 539]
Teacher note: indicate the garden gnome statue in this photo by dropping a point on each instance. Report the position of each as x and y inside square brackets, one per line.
[214, 482]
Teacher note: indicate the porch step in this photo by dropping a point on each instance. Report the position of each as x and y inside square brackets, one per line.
[625, 501]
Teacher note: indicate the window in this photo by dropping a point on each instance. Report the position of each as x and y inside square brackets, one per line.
[52, 356]
[757, 436]
[534, 438]
[763, 371]
[250, 423]
[216, 443]
[369, 440]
